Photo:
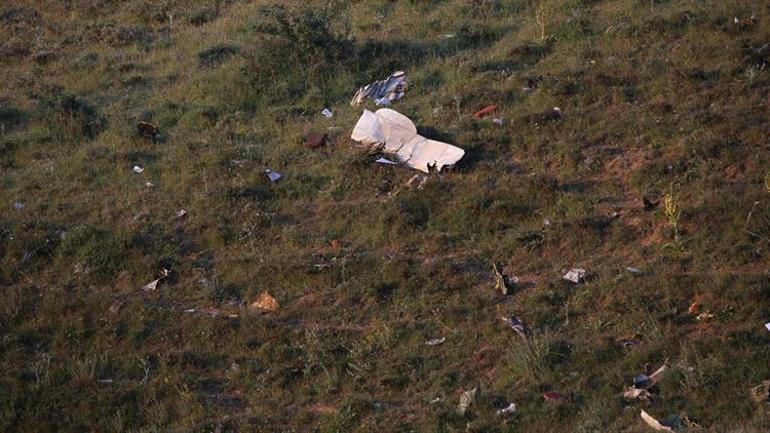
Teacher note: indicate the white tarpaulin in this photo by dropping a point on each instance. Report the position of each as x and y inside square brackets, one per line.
[397, 135]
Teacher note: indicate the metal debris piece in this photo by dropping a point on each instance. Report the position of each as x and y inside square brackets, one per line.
[516, 324]
[767, 326]
[635, 271]
[391, 132]
[761, 392]
[149, 184]
[435, 341]
[181, 213]
[629, 342]
[138, 169]
[511, 409]
[265, 302]
[652, 422]
[273, 175]
[18, 205]
[466, 399]
[383, 92]
[385, 161]
[575, 275]
[485, 111]
[152, 285]
[632, 393]
[504, 283]
[327, 113]
[498, 121]
[147, 130]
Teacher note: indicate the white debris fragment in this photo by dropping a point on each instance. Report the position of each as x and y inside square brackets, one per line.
[767, 326]
[152, 285]
[327, 113]
[149, 184]
[393, 133]
[435, 341]
[138, 169]
[181, 213]
[466, 399]
[633, 270]
[498, 121]
[385, 161]
[575, 275]
[18, 205]
[652, 422]
[273, 175]
[511, 409]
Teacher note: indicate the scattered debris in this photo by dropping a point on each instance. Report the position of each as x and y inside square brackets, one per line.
[147, 130]
[705, 316]
[265, 302]
[273, 175]
[466, 399]
[138, 169]
[516, 324]
[761, 393]
[383, 92]
[629, 342]
[336, 244]
[643, 382]
[635, 271]
[392, 132]
[181, 213]
[18, 205]
[149, 184]
[511, 409]
[105, 381]
[435, 341]
[652, 422]
[576, 275]
[327, 113]
[435, 400]
[636, 394]
[485, 111]
[694, 307]
[385, 161]
[552, 396]
[498, 121]
[314, 140]
[449, 35]
[504, 283]
[767, 326]
[152, 285]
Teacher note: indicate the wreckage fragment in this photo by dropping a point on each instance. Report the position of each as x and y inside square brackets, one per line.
[383, 92]
[393, 133]
[652, 422]
[265, 302]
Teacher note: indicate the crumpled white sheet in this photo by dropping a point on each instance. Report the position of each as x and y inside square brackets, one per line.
[397, 135]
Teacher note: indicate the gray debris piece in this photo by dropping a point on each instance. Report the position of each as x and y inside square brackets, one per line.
[383, 92]
[576, 275]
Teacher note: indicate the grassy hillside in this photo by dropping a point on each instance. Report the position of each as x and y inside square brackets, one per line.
[657, 158]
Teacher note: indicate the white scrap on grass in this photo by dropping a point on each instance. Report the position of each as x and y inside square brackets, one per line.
[508, 410]
[435, 341]
[767, 326]
[385, 161]
[327, 112]
[18, 205]
[138, 169]
[152, 285]
[273, 175]
[634, 270]
[652, 422]
[181, 213]
[498, 121]
[575, 275]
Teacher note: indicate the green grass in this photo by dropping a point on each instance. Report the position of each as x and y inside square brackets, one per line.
[655, 96]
